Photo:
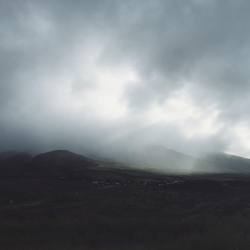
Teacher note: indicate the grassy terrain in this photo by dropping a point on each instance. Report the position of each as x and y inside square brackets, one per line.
[202, 212]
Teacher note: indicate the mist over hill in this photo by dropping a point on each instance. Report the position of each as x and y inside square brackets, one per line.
[153, 159]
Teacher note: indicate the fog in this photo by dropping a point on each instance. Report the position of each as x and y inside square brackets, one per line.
[113, 77]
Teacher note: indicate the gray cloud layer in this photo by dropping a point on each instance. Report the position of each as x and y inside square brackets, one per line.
[189, 60]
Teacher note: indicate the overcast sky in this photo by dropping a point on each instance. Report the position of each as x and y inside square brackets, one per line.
[106, 74]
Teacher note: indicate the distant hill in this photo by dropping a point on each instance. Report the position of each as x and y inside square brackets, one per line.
[63, 163]
[223, 163]
[61, 158]
[162, 159]
[60, 162]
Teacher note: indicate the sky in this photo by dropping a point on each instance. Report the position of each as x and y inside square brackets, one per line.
[112, 75]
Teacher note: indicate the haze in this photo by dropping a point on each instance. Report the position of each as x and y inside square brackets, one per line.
[115, 76]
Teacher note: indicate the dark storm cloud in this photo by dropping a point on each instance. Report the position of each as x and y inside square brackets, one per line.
[204, 42]
[45, 52]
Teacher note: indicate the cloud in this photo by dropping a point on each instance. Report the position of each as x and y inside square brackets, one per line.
[89, 75]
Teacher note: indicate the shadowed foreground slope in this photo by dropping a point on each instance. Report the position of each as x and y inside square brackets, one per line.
[65, 201]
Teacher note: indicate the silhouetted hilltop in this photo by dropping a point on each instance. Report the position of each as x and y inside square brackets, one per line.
[60, 162]
[61, 158]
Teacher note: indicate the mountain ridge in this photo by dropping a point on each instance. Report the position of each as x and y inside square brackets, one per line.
[153, 159]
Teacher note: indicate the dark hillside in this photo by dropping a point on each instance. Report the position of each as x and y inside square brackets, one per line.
[67, 201]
